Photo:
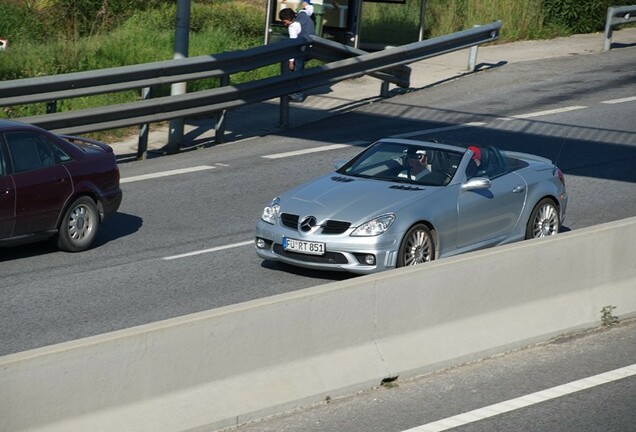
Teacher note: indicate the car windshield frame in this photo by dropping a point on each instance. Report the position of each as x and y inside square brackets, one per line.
[402, 162]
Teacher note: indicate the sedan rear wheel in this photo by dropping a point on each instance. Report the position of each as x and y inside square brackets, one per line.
[417, 246]
[79, 226]
[544, 220]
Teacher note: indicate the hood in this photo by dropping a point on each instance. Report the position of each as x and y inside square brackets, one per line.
[351, 199]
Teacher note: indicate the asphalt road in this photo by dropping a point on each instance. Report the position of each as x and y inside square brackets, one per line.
[577, 110]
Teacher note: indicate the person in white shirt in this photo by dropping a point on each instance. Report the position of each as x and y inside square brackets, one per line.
[307, 8]
[297, 25]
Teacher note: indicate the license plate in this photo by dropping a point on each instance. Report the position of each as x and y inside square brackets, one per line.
[305, 247]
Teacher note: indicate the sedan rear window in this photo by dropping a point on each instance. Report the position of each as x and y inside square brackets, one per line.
[31, 151]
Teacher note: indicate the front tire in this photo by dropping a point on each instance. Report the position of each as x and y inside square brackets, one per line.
[79, 226]
[417, 246]
[544, 220]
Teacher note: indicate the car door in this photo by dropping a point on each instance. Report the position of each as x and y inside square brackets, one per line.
[7, 198]
[42, 184]
[489, 215]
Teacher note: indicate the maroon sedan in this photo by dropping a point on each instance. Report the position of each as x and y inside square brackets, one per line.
[54, 185]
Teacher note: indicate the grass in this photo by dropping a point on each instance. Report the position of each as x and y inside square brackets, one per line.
[399, 23]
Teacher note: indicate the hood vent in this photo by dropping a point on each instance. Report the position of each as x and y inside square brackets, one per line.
[341, 179]
[406, 188]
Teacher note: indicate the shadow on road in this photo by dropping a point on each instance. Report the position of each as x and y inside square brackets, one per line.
[117, 226]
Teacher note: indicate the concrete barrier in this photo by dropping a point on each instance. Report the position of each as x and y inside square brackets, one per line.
[229, 365]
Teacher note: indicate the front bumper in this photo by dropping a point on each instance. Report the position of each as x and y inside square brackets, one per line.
[343, 252]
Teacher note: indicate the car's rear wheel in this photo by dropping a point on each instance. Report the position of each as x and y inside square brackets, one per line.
[417, 246]
[544, 220]
[79, 226]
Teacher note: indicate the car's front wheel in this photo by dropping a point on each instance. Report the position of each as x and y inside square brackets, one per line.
[79, 226]
[544, 220]
[417, 246]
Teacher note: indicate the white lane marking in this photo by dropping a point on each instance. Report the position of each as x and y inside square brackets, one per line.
[204, 251]
[544, 113]
[622, 100]
[525, 401]
[442, 129]
[302, 152]
[165, 173]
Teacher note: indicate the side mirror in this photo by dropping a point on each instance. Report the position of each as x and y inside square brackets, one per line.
[477, 183]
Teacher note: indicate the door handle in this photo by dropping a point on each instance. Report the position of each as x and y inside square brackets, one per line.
[518, 189]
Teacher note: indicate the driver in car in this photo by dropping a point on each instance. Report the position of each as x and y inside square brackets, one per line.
[418, 165]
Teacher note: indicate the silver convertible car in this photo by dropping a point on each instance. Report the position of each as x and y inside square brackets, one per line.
[403, 202]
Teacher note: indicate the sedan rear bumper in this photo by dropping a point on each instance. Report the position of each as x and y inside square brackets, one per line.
[111, 201]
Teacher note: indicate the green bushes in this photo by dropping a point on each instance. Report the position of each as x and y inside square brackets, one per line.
[528, 19]
[18, 23]
[579, 16]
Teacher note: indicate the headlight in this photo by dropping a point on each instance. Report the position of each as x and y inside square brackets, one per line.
[375, 226]
[270, 213]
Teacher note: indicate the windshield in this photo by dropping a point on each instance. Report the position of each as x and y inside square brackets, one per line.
[404, 163]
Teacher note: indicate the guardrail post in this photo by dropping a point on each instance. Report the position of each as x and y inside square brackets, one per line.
[51, 107]
[219, 127]
[607, 41]
[181, 44]
[283, 115]
[284, 112]
[617, 15]
[472, 56]
[144, 129]
[384, 89]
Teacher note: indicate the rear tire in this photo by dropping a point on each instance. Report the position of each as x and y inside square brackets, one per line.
[417, 246]
[544, 220]
[79, 225]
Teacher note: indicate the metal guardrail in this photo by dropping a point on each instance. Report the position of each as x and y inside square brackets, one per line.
[110, 80]
[615, 16]
[344, 63]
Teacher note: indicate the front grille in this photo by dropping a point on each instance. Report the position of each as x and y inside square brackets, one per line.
[289, 220]
[335, 227]
[327, 258]
[328, 227]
